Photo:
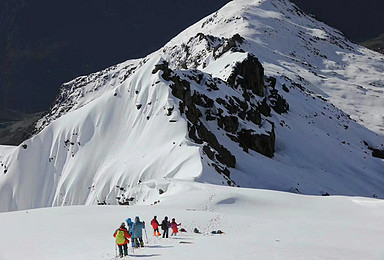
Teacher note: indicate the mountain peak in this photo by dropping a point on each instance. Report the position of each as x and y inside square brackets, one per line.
[253, 95]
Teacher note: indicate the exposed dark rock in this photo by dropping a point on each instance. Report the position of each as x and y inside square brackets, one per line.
[271, 81]
[254, 116]
[285, 88]
[261, 143]
[230, 44]
[264, 108]
[248, 75]
[378, 153]
[231, 106]
[123, 202]
[224, 156]
[193, 114]
[192, 134]
[209, 152]
[208, 115]
[228, 123]
[202, 100]
[234, 138]
[170, 110]
[224, 171]
[163, 67]
[181, 107]
[278, 103]
[196, 130]
[211, 86]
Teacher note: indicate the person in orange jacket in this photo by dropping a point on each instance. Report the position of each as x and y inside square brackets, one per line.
[122, 239]
[155, 224]
[174, 225]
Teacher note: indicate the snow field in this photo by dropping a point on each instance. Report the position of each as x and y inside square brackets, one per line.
[258, 224]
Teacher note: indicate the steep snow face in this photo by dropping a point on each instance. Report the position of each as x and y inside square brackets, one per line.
[120, 138]
[237, 99]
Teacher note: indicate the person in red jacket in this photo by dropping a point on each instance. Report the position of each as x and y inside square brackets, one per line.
[122, 236]
[174, 225]
[155, 224]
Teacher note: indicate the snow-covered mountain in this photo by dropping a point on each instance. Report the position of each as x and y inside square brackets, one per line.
[257, 95]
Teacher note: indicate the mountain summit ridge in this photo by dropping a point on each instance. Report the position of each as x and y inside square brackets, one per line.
[251, 96]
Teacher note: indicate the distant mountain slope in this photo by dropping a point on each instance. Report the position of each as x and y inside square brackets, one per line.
[358, 20]
[257, 95]
[17, 127]
[376, 44]
[45, 43]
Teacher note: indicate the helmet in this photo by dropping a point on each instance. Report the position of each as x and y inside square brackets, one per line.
[122, 224]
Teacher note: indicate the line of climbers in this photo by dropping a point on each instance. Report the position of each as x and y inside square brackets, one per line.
[135, 232]
[165, 225]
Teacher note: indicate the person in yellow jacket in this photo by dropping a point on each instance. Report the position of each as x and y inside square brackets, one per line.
[122, 239]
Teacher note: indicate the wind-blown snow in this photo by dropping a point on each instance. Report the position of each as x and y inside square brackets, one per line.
[115, 129]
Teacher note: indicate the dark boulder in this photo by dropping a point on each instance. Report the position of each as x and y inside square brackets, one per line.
[248, 75]
[261, 143]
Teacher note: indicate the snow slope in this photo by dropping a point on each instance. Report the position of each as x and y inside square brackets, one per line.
[291, 43]
[204, 109]
[258, 224]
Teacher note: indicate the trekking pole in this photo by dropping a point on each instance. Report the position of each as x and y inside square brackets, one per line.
[145, 230]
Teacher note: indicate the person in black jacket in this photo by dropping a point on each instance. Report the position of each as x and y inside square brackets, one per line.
[165, 225]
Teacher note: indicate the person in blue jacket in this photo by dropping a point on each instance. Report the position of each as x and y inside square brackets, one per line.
[130, 230]
[137, 229]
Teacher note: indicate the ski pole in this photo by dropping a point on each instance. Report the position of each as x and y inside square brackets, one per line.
[145, 230]
[133, 248]
[116, 250]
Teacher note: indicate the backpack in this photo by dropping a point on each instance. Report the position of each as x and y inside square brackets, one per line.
[120, 237]
[164, 225]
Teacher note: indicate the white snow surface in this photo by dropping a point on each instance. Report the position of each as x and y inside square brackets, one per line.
[110, 131]
[118, 135]
[258, 224]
